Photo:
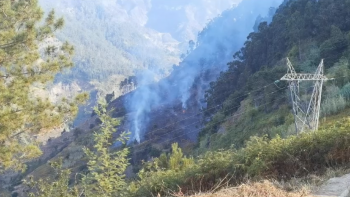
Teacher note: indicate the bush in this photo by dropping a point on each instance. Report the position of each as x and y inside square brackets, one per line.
[260, 158]
[345, 91]
[334, 101]
[106, 168]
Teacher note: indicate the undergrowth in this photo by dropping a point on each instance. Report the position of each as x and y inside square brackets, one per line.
[261, 158]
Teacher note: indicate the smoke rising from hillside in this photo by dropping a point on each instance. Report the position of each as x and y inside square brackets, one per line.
[215, 46]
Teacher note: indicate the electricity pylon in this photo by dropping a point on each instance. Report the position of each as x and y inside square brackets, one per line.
[305, 118]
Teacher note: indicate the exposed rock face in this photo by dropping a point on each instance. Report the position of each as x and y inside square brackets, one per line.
[335, 187]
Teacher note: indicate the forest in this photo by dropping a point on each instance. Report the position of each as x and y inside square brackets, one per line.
[248, 135]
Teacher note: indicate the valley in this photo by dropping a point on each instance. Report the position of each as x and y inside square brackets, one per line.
[176, 113]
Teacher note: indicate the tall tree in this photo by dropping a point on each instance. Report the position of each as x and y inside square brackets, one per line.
[23, 65]
[106, 168]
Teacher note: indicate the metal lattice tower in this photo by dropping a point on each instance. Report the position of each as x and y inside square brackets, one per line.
[305, 118]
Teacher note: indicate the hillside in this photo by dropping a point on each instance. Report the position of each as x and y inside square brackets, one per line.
[304, 31]
[210, 122]
[184, 89]
[157, 108]
[248, 100]
[118, 39]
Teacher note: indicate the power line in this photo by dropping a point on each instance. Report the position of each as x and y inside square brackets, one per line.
[188, 117]
[144, 142]
[192, 131]
[207, 109]
[197, 121]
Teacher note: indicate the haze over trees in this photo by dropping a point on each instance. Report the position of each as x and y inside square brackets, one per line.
[305, 31]
[248, 125]
[111, 45]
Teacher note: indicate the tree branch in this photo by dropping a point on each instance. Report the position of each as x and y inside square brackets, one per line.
[11, 44]
[3, 11]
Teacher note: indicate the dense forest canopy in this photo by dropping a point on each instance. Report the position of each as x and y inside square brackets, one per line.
[120, 38]
[305, 31]
[248, 127]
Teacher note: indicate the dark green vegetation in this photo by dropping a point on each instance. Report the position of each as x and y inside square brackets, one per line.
[26, 62]
[250, 134]
[245, 102]
[261, 157]
[303, 30]
[110, 43]
[105, 167]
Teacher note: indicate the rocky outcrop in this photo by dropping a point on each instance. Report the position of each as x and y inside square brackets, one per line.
[335, 187]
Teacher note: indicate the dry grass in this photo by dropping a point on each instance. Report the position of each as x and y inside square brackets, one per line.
[296, 187]
[265, 188]
[312, 182]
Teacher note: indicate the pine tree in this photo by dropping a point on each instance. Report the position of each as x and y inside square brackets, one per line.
[57, 188]
[22, 65]
[106, 175]
[106, 168]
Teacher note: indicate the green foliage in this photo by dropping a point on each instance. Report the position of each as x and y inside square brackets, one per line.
[261, 157]
[305, 31]
[99, 42]
[345, 91]
[333, 48]
[254, 122]
[169, 167]
[311, 57]
[57, 188]
[333, 101]
[22, 111]
[106, 169]
[177, 161]
[340, 71]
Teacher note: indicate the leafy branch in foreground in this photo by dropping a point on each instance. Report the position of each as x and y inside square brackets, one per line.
[25, 63]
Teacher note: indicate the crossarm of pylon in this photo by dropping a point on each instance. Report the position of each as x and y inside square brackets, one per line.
[303, 77]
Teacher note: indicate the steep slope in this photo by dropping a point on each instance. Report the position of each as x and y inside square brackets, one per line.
[117, 39]
[179, 95]
[245, 101]
[120, 37]
[305, 31]
[188, 82]
[171, 110]
[110, 38]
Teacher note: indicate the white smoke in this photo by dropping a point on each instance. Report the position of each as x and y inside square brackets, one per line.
[216, 45]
